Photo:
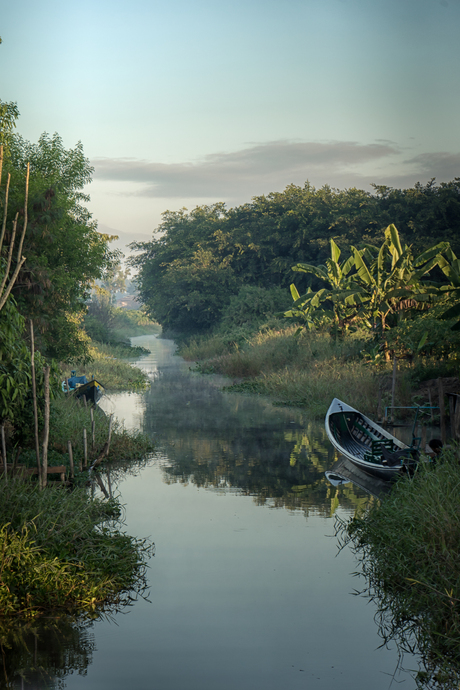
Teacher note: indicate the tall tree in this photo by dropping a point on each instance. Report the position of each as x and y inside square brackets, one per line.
[64, 251]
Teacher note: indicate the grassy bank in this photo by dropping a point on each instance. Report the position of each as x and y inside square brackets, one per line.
[311, 369]
[110, 367]
[62, 552]
[408, 550]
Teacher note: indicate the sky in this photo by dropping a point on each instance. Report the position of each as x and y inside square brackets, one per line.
[191, 102]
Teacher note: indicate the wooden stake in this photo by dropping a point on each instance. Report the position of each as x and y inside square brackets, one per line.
[451, 415]
[85, 448]
[34, 396]
[457, 418]
[393, 387]
[72, 469]
[110, 433]
[431, 404]
[5, 467]
[93, 430]
[442, 411]
[46, 430]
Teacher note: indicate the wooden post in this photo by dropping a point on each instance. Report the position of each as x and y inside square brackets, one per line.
[72, 469]
[452, 415]
[442, 411]
[34, 396]
[431, 404]
[85, 448]
[110, 433]
[379, 403]
[457, 419]
[85, 402]
[393, 388]
[93, 430]
[46, 430]
[5, 468]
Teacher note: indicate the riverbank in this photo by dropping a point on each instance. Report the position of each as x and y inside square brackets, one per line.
[62, 551]
[408, 551]
[310, 369]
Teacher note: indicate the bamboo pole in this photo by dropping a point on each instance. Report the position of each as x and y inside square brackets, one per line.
[46, 430]
[5, 466]
[20, 259]
[85, 448]
[34, 395]
[110, 433]
[5, 209]
[442, 411]
[72, 468]
[93, 430]
[393, 387]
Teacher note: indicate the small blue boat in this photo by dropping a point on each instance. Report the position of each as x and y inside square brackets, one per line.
[81, 387]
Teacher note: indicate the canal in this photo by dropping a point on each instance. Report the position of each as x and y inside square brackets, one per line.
[248, 589]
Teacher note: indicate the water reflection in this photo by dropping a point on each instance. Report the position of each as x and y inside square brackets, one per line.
[241, 596]
[42, 655]
[237, 443]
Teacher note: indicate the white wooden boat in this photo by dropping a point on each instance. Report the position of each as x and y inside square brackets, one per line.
[366, 444]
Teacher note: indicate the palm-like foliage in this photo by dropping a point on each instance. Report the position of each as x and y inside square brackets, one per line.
[390, 279]
[336, 276]
[450, 266]
[386, 280]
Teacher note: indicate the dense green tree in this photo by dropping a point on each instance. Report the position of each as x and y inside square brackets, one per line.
[64, 252]
[258, 243]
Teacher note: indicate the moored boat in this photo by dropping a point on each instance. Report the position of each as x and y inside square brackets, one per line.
[366, 444]
[81, 387]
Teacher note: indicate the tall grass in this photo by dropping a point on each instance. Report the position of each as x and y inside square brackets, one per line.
[109, 366]
[61, 551]
[409, 552]
[307, 370]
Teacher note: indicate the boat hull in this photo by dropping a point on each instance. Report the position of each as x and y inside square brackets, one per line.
[364, 443]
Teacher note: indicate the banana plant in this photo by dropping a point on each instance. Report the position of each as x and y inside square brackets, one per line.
[393, 277]
[336, 276]
[450, 266]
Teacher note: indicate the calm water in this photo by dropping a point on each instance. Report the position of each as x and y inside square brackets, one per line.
[247, 589]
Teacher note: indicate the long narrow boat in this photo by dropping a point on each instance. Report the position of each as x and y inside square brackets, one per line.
[366, 444]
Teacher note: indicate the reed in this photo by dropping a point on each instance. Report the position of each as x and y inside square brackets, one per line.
[408, 551]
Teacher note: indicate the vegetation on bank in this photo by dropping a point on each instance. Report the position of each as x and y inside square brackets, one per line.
[198, 261]
[311, 369]
[63, 552]
[407, 548]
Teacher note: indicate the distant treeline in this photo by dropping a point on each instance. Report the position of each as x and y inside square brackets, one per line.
[201, 260]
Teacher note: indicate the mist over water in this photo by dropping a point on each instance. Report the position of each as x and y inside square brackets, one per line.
[247, 589]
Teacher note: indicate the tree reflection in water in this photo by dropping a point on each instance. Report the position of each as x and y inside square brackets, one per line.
[232, 442]
[40, 655]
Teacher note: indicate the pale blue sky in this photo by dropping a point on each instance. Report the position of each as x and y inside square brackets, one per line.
[182, 103]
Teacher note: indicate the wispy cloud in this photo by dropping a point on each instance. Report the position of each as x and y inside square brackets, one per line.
[260, 167]
[442, 165]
